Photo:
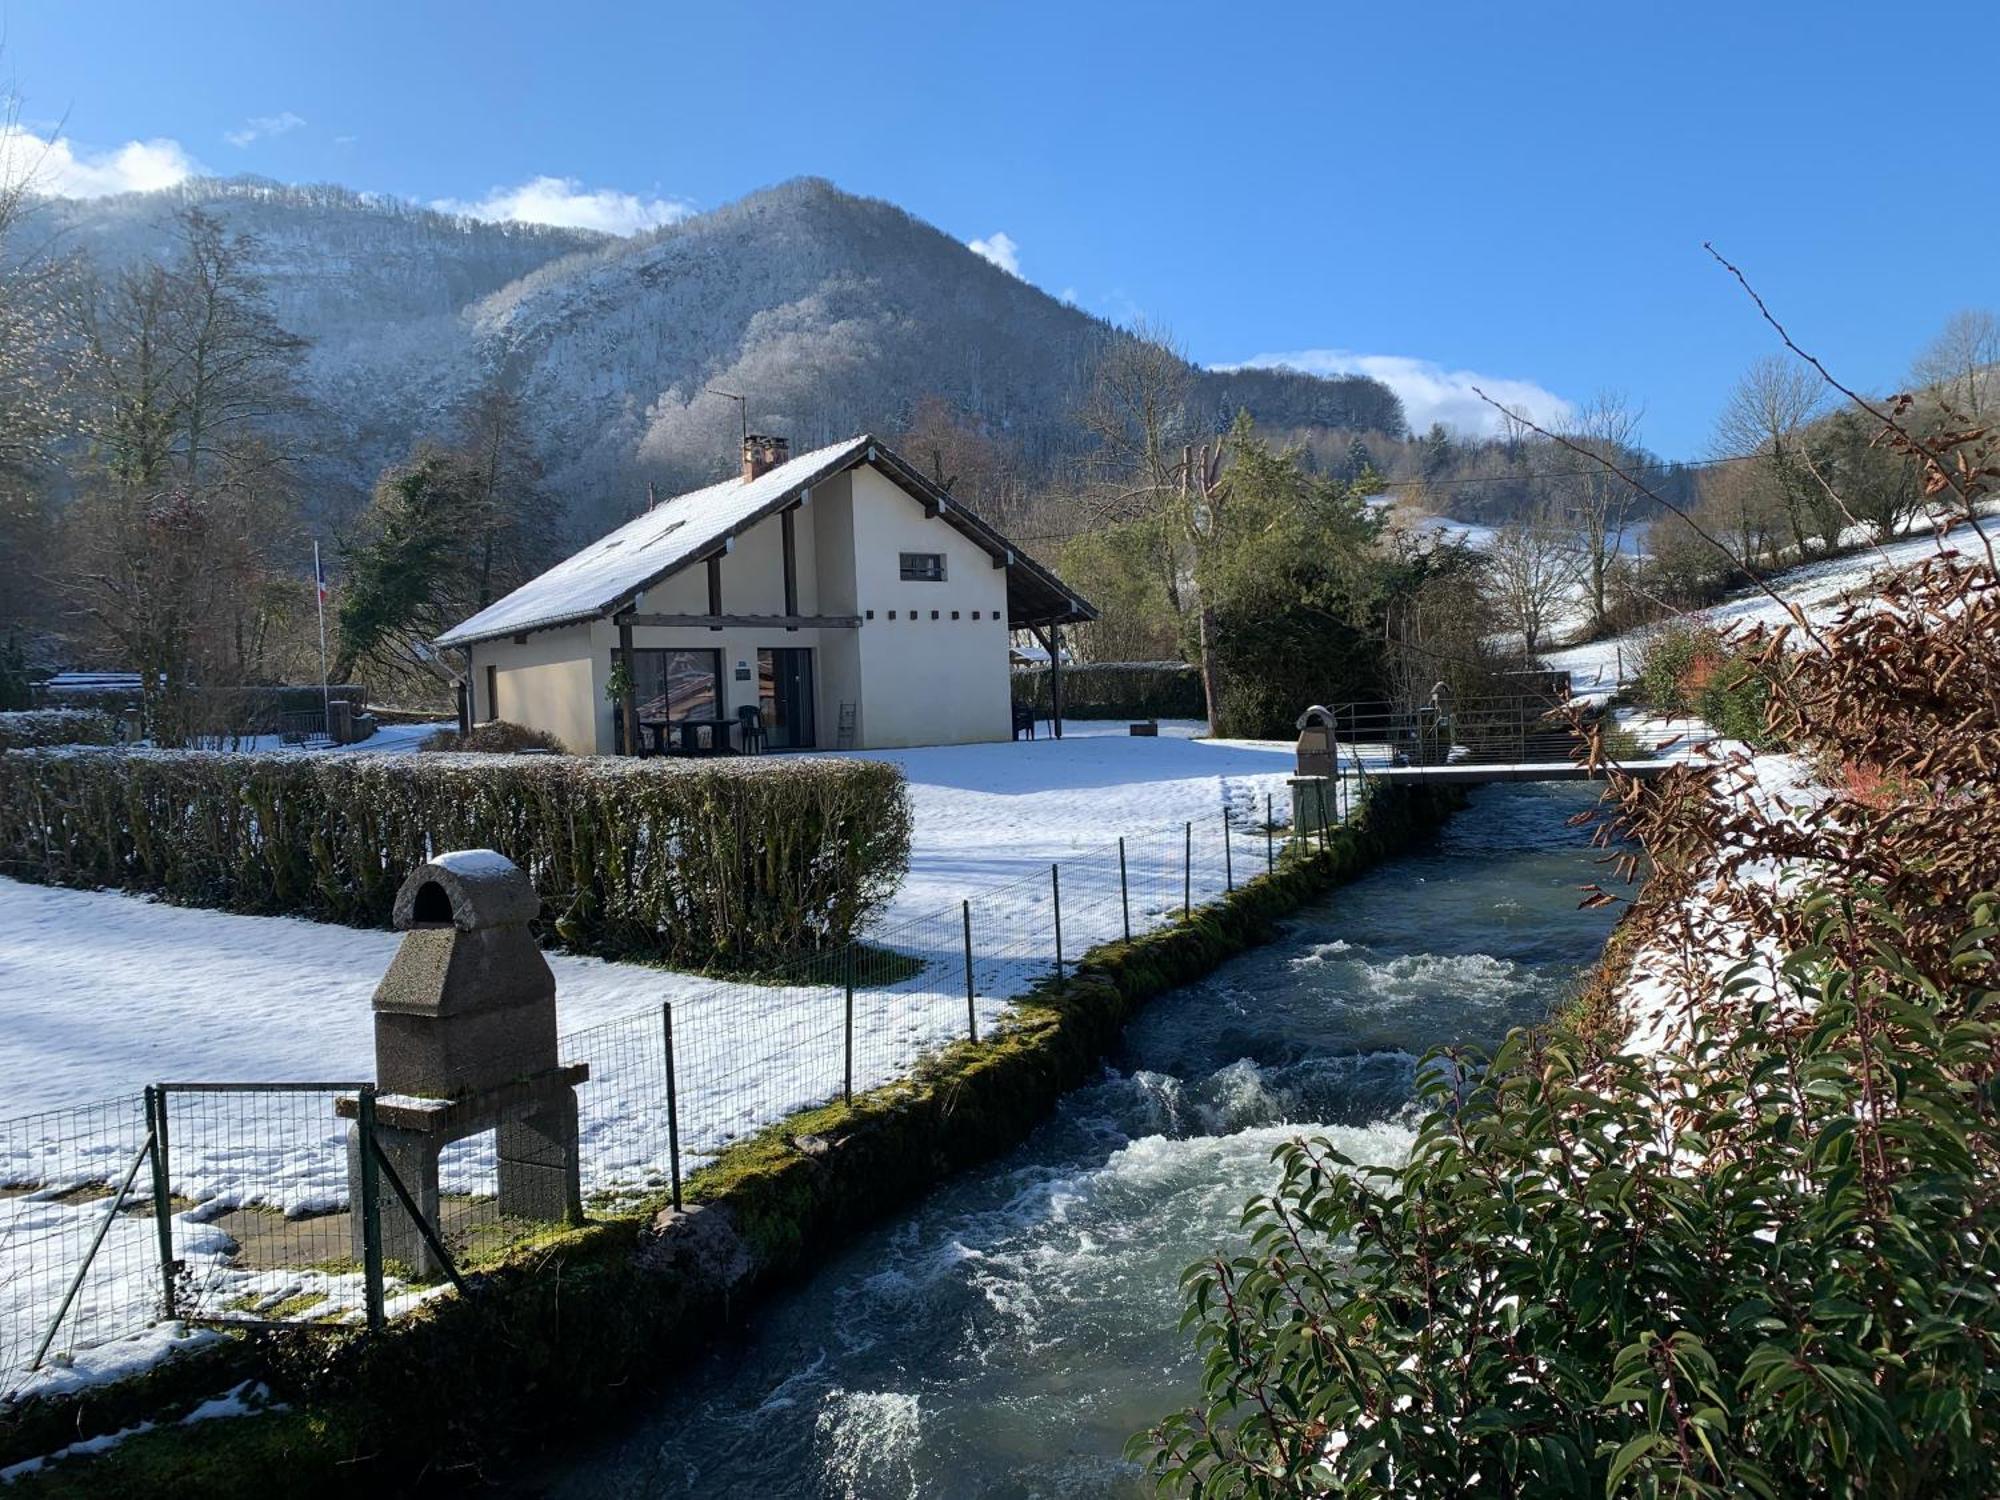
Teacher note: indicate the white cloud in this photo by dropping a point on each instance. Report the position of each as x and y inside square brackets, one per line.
[60, 169]
[565, 201]
[999, 248]
[1431, 393]
[263, 125]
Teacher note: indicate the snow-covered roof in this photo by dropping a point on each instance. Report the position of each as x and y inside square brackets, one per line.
[605, 575]
[640, 553]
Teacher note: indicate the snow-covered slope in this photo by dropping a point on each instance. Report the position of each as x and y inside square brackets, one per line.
[1599, 668]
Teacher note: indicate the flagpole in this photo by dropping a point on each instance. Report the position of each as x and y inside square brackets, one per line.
[325, 694]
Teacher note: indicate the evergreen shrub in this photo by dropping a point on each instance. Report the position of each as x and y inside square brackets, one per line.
[56, 726]
[495, 737]
[703, 864]
[1116, 690]
[1765, 1266]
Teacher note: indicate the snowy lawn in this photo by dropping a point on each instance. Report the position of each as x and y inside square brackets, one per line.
[989, 814]
[102, 992]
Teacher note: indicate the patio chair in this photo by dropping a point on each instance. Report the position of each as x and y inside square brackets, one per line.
[1024, 720]
[750, 720]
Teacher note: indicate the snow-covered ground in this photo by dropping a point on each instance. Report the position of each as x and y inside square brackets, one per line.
[1600, 668]
[102, 992]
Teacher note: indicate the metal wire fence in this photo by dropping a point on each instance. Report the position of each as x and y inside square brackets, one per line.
[241, 1203]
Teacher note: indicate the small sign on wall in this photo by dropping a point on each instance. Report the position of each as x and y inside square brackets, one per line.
[743, 671]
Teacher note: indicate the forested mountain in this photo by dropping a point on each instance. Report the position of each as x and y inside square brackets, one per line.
[830, 313]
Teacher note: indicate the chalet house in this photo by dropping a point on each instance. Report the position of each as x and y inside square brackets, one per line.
[841, 594]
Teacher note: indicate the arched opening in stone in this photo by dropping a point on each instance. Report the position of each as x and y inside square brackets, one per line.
[432, 908]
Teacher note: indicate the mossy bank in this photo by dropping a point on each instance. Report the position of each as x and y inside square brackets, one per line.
[581, 1323]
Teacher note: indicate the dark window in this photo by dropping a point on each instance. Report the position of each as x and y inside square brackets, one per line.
[923, 567]
[675, 685]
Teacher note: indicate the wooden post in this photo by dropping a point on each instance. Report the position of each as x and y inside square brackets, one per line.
[631, 703]
[786, 526]
[715, 586]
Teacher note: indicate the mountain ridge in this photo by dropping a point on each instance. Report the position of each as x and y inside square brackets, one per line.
[834, 313]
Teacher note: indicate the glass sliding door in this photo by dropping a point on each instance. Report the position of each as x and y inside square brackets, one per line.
[785, 693]
[675, 685]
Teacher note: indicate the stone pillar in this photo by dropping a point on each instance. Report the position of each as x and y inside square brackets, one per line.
[536, 1157]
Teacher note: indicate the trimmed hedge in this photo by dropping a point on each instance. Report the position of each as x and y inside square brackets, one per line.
[726, 863]
[30, 727]
[1117, 690]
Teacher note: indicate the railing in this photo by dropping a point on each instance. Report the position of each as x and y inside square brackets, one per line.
[230, 1203]
[1511, 729]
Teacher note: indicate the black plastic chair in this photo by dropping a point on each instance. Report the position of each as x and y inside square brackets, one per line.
[750, 720]
[1024, 721]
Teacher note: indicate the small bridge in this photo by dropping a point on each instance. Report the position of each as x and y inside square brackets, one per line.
[1528, 736]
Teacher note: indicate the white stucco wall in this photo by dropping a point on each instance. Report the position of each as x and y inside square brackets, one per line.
[550, 682]
[925, 680]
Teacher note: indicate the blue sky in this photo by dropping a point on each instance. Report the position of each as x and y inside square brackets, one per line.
[1518, 191]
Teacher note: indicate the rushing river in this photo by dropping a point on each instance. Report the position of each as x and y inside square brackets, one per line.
[1007, 1335]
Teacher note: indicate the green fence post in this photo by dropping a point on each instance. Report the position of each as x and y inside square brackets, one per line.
[1055, 891]
[673, 1103]
[163, 1197]
[847, 980]
[1228, 859]
[1270, 838]
[370, 1208]
[1324, 832]
[971, 1011]
[1187, 871]
[1124, 891]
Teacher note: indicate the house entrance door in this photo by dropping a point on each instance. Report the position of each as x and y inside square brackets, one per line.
[785, 692]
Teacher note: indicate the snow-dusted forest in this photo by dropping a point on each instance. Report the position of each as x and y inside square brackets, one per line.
[833, 314]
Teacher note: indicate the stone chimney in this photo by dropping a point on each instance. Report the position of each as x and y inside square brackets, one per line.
[762, 453]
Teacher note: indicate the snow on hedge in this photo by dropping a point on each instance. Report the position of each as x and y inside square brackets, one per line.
[32, 727]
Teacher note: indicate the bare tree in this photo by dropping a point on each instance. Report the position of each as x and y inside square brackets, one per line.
[185, 539]
[1768, 415]
[1958, 363]
[34, 375]
[185, 362]
[1532, 571]
[511, 519]
[1597, 502]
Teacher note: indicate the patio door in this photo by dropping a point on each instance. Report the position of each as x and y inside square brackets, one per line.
[785, 692]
